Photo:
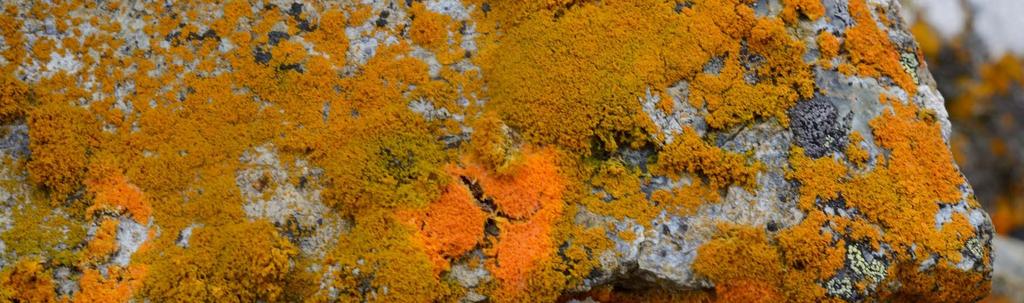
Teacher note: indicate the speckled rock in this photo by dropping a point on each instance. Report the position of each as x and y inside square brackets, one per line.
[479, 151]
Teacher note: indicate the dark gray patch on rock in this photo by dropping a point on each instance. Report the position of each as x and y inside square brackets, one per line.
[817, 126]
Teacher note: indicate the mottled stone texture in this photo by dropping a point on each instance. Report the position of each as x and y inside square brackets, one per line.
[478, 150]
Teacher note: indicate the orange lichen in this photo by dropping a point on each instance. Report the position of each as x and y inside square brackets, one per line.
[531, 195]
[903, 193]
[378, 255]
[856, 153]
[689, 153]
[115, 195]
[783, 79]
[742, 264]
[118, 285]
[429, 29]
[241, 261]
[582, 65]
[13, 97]
[812, 9]
[563, 79]
[618, 193]
[871, 51]
[944, 283]
[828, 46]
[60, 136]
[330, 36]
[104, 242]
[490, 145]
[747, 266]
[526, 188]
[451, 226]
[26, 281]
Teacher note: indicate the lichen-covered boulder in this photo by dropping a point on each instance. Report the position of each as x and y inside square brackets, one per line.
[478, 150]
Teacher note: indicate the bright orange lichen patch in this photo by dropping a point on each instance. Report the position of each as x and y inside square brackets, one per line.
[871, 51]
[452, 225]
[115, 195]
[794, 9]
[527, 187]
[26, 281]
[945, 283]
[748, 266]
[856, 153]
[330, 36]
[530, 195]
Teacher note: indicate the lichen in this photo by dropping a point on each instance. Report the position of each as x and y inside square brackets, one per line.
[692, 154]
[794, 9]
[238, 262]
[871, 51]
[26, 281]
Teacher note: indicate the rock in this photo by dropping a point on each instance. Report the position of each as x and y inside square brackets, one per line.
[1008, 272]
[505, 151]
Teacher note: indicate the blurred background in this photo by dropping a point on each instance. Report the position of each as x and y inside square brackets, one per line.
[975, 51]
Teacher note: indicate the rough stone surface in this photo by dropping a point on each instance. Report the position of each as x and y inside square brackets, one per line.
[479, 151]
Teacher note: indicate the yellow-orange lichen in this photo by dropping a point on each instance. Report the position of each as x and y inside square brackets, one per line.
[26, 281]
[871, 51]
[429, 29]
[60, 136]
[583, 65]
[242, 261]
[742, 264]
[689, 153]
[13, 97]
[794, 9]
[828, 46]
[103, 243]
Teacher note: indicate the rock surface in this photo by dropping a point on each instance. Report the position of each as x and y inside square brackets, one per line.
[471, 151]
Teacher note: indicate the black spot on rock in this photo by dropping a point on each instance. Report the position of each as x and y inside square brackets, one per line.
[295, 10]
[275, 37]
[817, 126]
[491, 227]
[486, 7]
[382, 21]
[305, 26]
[295, 67]
[262, 56]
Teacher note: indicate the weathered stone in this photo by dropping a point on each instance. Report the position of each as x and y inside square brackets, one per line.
[505, 151]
